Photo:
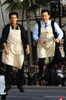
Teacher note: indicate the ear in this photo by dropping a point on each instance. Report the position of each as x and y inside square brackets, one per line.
[49, 16]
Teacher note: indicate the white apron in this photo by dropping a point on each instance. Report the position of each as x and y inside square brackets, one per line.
[46, 49]
[15, 48]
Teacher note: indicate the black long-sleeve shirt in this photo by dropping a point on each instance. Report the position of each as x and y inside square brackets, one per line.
[5, 33]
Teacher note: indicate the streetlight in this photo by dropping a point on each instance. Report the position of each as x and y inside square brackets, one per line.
[60, 12]
[58, 4]
[28, 29]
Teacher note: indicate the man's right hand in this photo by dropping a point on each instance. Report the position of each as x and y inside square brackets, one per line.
[41, 41]
[5, 48]
[6, 51]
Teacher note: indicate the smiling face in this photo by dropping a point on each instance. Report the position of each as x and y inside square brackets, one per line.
[45, 16]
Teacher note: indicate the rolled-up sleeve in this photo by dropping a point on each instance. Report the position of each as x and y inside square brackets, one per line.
[58, 30]
[35, 32]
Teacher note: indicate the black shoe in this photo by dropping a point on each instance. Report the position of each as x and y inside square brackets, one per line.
[20, 88]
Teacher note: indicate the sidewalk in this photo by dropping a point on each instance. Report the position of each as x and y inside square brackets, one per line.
[37, 93]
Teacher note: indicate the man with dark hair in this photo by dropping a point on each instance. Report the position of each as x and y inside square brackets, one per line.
[45, 10]
[13, 37]
[13, 13]
[46, 41]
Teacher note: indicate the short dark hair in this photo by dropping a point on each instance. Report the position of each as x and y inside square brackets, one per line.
[13, 13]
[45, 10]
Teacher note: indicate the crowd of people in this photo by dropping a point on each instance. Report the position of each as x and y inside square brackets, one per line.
[54, 76]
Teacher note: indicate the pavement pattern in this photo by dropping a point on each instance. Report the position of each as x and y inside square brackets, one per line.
[37, 93]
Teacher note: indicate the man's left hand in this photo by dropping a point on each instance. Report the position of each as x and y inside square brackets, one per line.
[27, 49]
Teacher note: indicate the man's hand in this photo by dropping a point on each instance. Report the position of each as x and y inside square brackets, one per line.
[6, 51]
[41, 41]
[57, 40]
[5, 48]
[27, 49]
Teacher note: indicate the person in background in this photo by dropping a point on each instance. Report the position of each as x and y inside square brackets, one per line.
[14, 37]
[46, 42]
[60, 75]
[3, 93]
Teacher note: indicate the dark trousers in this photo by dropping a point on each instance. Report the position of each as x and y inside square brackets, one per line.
[3, 97]
[41, 65]
[20, 76]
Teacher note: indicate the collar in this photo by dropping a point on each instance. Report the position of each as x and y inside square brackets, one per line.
[48, 23]
[16, 27]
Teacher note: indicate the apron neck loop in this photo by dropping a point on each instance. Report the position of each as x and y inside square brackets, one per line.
[11, 27]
